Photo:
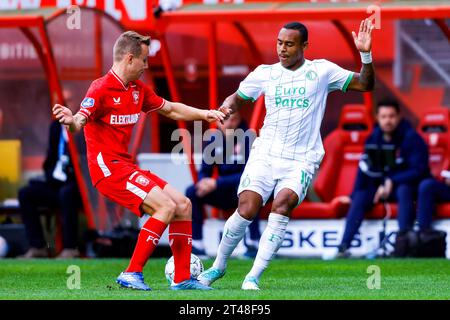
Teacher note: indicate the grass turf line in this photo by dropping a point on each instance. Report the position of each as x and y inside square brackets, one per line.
[285, 279]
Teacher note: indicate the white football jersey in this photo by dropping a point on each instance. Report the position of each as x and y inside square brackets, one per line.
[295, 104]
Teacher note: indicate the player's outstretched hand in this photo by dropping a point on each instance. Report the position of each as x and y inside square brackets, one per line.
[363, 40]
[63, 114]
[226, 111]
[214, 115]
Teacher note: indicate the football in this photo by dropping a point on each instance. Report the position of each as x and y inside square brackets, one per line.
[196, 268]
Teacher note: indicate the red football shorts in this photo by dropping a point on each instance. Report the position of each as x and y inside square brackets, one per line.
[128, 186]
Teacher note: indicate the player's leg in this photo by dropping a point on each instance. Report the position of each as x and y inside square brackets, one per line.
[225, 198]
[249, 205]
[293, 179]
[233, 232]
[180, 234]
[140, 192]
[254, 190]
[180, 239]
[272, 237]
[162, 208]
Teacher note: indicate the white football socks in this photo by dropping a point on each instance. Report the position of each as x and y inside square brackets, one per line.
[233, 232]
[270, 242]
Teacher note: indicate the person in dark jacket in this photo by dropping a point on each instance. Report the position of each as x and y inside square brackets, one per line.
[57, 190]
[221, 193]
[397, 182]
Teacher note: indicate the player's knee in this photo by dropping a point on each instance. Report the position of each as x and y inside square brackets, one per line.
[247, 209]
[284, 203]
[283, 207]
[184, 209]
[169, 209]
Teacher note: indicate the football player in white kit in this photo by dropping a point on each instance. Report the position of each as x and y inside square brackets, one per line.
[289, 149]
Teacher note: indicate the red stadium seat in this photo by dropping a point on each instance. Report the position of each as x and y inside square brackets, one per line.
[434, 128]
[343, 149]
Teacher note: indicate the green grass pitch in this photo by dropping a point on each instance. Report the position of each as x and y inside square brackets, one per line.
[285, 279]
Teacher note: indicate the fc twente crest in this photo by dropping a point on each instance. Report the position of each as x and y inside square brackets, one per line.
[135, 97]
[142, 180]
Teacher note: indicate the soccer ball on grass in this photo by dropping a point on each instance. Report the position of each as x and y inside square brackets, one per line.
[196, 268]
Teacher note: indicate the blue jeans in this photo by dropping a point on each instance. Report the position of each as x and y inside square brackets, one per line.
[431, 192]
[64, 197]
[362, 202]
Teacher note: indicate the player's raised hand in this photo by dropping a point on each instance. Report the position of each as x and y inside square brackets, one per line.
[214, 115]
[63, 114]
[363, 40]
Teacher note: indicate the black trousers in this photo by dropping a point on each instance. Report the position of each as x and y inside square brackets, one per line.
[64, 197]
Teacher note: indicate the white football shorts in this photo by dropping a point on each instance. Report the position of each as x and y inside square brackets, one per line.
[265, 174]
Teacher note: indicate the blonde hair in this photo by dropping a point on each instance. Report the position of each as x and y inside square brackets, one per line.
[129, 42]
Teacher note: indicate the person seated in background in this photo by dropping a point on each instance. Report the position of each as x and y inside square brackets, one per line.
[58, 190]
[399, 183]
[431, 192]
[221, 193]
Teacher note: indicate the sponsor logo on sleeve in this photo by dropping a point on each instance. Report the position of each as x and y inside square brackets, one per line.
[88, 102]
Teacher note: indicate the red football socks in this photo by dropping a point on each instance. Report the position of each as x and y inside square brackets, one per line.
[147, 241]
[180, 239]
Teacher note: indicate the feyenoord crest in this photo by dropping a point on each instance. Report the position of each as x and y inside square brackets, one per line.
[142, 180]
[311, 75]
[135, 97]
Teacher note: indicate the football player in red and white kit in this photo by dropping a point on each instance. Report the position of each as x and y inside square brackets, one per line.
[112, 106]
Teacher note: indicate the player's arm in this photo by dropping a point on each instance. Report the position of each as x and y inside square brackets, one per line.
[180, 111]
[365, 79]
[65, 116]
[232, 104]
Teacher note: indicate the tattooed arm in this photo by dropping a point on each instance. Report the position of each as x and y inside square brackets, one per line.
[74, 122]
